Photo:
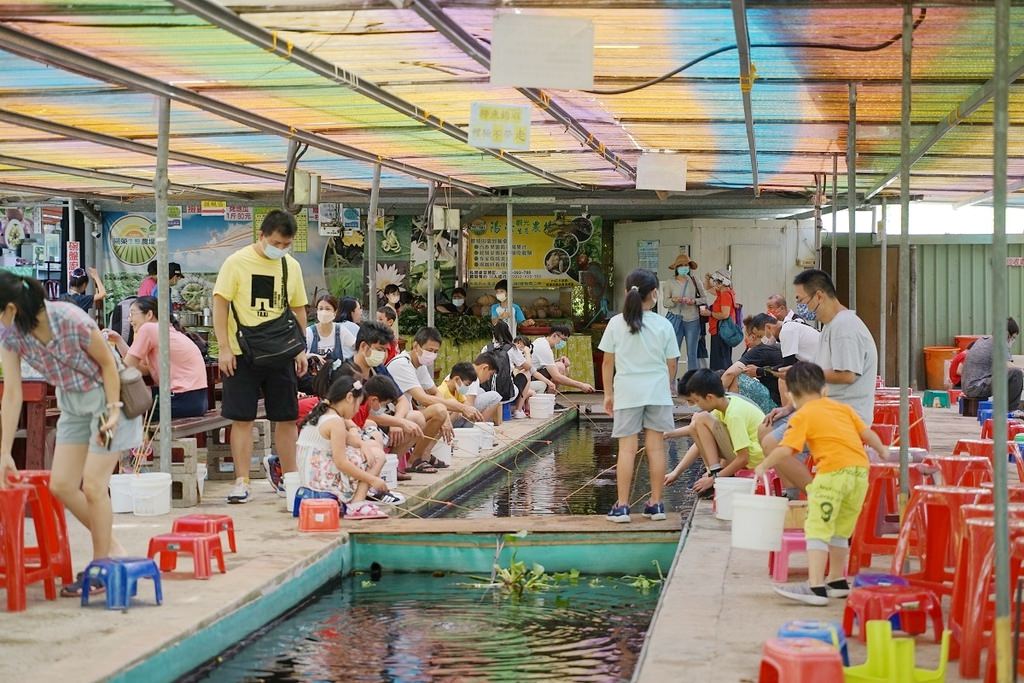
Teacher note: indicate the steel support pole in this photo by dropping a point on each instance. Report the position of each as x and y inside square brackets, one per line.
[903, 336]
[1005, 652]
[851, 197]
[883, 324]
[819, 191]
[160, 185]
[430, 253]
[508, 265]
[835, 209]
[371, 240]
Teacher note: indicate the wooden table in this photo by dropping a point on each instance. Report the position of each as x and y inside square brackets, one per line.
[35, 394]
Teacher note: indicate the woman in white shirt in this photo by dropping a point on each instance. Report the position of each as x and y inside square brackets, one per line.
[350, 315]
[327, 340]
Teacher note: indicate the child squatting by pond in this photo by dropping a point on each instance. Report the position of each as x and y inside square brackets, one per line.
[640, 349]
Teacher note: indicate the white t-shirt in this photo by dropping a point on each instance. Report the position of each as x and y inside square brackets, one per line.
[641, 360]
[847, 344]
[326, 344]
[408, 377]
[543, 355]
[516, 357]
[800, 340]
[349, 343]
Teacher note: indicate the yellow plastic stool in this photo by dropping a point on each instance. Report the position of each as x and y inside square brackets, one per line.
[891, 660]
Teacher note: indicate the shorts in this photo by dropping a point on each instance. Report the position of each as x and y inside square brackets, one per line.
[720, 432]
[538, 386]
[544, 371]
[630, 421]
[834, 500]
[779, 428]
[278, 386]
[79, 422]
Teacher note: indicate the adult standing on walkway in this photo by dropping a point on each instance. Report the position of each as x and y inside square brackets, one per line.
[976, 376]
[62, 343]
[685, 297]
[257, 285]
[722, 308]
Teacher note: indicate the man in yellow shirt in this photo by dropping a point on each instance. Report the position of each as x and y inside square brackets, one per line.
[835, 435]
[249, 287]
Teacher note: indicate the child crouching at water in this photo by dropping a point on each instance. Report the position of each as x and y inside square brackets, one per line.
[640, 349]
[835, 435]
[337, 459]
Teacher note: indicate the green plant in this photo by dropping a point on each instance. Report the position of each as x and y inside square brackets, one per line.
[462, 327]
[643, 583]
[410, 321]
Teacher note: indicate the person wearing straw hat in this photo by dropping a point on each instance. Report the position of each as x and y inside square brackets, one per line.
[684, 297]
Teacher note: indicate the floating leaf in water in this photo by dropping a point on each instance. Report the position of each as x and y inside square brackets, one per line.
[368, 584]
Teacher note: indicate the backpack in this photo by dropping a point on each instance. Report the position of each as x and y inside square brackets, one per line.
[502, 379]
[119, 322]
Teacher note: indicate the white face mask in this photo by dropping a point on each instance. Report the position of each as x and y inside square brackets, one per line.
[463, 389]
[458, 302]
[427, 357]
[272, 252]
[325, 316]
[501, 296]
[375, 357]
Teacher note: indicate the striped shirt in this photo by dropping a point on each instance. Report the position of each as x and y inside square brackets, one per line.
[65, 361]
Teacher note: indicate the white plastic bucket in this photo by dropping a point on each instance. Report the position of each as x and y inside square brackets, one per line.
[542, 406]
[201, 477]
[291, 485]
[488, 436]
[725, 489]
[121, 492]
[916, 454]
[758, 521]
[151, 494]
[442, 451]
[467, 441]
[389, 472]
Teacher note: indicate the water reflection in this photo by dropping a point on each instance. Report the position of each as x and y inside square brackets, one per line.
[543, 477]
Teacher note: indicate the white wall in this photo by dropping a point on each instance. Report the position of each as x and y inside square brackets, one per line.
[763, 253]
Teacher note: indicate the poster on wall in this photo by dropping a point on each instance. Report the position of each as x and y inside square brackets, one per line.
[648, 252]
[547, 251]
[329, 219]
[301, 242]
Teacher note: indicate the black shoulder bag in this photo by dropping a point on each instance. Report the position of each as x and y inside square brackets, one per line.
[276, 342]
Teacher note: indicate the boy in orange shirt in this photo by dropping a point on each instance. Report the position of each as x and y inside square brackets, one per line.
[835, 435]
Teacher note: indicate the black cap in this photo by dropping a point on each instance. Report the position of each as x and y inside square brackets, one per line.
[174, 269]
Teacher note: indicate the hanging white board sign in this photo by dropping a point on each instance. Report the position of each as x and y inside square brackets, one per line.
[660, 171]
[500, 126]
[536, 51]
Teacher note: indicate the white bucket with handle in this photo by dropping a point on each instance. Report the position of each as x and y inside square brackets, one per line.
[488, 436]
[542, 406]
[467, 441]
[758, 521]
[121, 492]
[442, 451]
[725, 489]
[151, 494]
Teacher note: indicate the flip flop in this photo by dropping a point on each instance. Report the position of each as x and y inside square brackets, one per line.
[422, 467]
[402, 476]
[74, 590]
[366, 510]
[434, 462]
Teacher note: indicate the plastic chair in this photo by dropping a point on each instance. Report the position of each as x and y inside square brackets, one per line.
[799, 660]
[793, 541]
[825, 631]
[304, 493]
[319, 514]
[869, 603]
[882, 500]
[16, 570]
[891, 660]
[55, 525]
[936, 399]
[120, 576]
[208, 524]
[931, 521]
[962, 470]
[202, 547]
[886, 433]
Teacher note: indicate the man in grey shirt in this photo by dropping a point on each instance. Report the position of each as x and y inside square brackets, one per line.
[977, 369]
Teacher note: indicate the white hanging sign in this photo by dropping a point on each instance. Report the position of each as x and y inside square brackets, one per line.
[537, 51]
[661, 171]
[500, 126]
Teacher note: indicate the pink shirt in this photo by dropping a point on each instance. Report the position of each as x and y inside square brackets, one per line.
[147, 286]
[188, 370]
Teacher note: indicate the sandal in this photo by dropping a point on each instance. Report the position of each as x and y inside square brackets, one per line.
[74, 590]
[422, 467]
[365, 510]
[434, 462]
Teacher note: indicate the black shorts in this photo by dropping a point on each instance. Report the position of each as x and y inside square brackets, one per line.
[242, 392]
[520, 380]
[544, 371]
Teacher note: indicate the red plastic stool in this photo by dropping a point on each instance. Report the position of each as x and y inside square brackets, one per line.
[319, 514]
[202, 547]
[800, 660]
[962, 470]
[207, 524]
[56, 525]
[16, 571]
[887, 411]
[881, 602]
[1013, 428]
[882, 500]
[1014, 490]
[932, 519]
[1016, 569]
[886, 432]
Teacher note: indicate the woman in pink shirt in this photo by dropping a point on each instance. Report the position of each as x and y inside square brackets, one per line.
[188, 369]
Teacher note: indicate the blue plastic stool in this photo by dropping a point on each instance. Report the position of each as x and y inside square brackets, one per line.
[825, 631]
[506, 412]
[120, 577]
[304, 492]
[866, 579]
[984, 414]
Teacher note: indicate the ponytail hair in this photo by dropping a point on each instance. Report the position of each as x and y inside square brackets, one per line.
[639, 284]
[149, 304]
[28, 298]
[344, 385]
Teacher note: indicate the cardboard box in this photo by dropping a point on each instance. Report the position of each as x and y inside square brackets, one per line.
[797, 514]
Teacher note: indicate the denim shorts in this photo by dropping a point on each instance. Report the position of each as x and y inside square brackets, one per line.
[630, 421]
[779, 428]
[79, 422]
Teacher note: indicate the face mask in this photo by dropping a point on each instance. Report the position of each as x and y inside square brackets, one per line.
[393, 298]
[375, 357]
[501, 296]
[325, 316]
[458, 302]
[272, 252]
[683, 270]
[560, 344]
[463, 389]
[427, 357]
[805, 313]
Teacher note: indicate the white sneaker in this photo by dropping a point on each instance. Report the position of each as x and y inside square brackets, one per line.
[801, 592]
[239, 493]
[519, 415]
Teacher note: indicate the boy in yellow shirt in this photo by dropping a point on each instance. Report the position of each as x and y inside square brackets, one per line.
[835, 435]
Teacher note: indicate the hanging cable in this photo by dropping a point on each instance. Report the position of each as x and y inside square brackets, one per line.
[728, 48]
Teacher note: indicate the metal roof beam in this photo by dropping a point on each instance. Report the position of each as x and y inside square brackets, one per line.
[48, 53]
[739, 20]
[148, 150]
[987, 196]
[431, 13]
[232, 23]
[116, 178]
[38, 191]
[959, 113]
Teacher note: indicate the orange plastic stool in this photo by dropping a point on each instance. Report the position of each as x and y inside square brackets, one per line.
[319, 514]
[887, 411]
[16, 571]
[202, 547]
[55, 525]
[932, 519]
[800, 660]
[207, 524]
[882, 500]
[868, 603]
[962, 470]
